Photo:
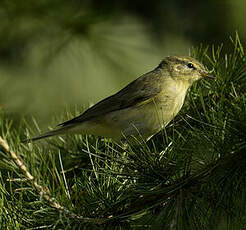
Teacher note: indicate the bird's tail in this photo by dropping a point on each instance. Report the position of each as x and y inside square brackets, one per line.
[55, 132]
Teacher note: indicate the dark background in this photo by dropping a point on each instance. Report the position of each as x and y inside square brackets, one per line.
[59, 53]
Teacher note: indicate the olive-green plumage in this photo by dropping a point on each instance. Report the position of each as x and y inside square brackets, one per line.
[143, 107]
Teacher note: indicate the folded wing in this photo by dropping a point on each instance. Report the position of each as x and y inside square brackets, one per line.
[141, 90]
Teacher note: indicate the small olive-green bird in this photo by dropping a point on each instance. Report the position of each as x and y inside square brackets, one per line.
[143, 107]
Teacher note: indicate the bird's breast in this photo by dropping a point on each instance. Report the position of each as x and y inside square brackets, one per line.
[171, 101]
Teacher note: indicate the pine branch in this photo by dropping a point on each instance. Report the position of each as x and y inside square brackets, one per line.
[44, 192]
[189, 176]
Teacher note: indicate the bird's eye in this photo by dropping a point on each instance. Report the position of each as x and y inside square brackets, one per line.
[190, 65]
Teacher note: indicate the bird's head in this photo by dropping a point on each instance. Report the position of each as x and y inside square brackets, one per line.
[185, 69]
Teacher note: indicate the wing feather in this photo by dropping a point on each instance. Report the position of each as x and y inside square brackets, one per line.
[139, 91]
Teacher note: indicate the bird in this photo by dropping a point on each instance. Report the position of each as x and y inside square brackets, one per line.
[142, 108]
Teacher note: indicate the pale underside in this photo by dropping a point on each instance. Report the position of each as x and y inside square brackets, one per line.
[144, 119]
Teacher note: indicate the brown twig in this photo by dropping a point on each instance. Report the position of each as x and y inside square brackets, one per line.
[45, 192]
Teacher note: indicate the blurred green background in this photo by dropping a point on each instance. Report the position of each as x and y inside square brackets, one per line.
[59, 53]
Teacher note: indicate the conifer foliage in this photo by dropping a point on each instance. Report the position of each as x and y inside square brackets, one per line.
[192, 175]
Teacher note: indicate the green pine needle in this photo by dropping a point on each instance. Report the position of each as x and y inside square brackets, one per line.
[189, 176]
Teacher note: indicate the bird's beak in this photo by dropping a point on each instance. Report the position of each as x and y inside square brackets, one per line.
[206, 74]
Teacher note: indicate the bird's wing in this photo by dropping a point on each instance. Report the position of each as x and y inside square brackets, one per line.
[142, 90]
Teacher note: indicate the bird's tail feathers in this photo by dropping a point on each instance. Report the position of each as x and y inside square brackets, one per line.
[51, 133]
